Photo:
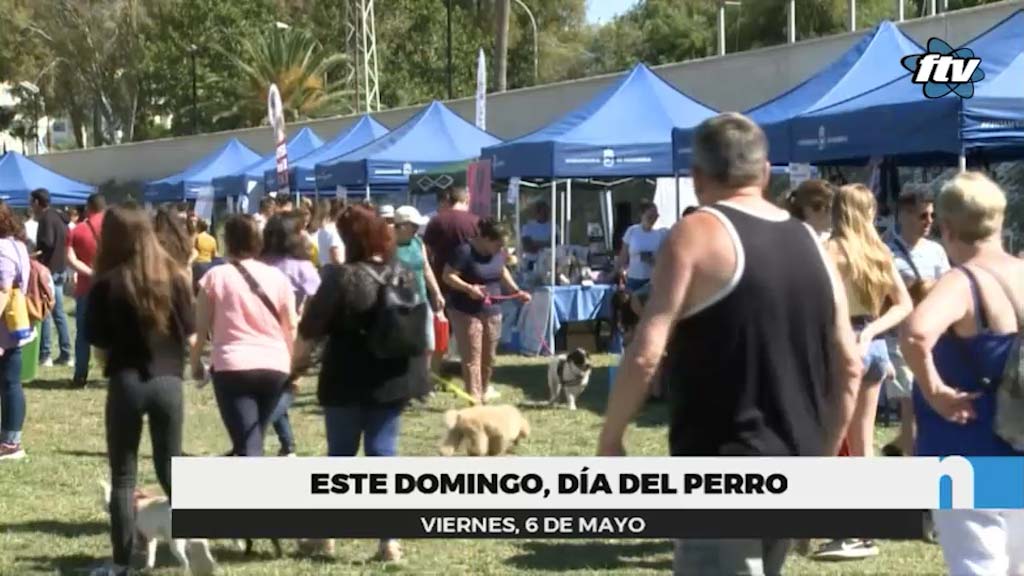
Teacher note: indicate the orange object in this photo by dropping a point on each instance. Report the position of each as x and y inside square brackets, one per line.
[441, 328]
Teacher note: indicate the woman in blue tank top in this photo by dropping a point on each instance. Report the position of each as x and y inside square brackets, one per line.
[958, 337]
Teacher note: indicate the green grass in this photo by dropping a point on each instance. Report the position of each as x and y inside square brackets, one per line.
[51, 522]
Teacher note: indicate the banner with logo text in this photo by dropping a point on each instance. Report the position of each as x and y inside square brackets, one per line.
[422, 497]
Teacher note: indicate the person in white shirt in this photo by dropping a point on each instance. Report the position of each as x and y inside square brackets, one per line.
[640, 246]
[31, 229]
[920, 262]
[330, 247]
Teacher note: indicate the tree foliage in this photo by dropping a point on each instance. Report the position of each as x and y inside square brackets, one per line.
[122, 67]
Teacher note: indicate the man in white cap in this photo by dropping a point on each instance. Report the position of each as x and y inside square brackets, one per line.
[387, 212]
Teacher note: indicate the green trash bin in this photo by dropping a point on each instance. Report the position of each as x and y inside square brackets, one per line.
[30, 356]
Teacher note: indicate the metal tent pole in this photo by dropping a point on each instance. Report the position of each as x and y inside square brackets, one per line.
[554, 206]
[679, 209]
[963, 163]
[367, 191]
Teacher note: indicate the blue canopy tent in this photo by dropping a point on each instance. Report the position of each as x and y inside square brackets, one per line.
[230, 158]
[302, 143]
[433, 137]
[619, 133]
[302, 174]
[19, 176]
[872, 61]
[898, 120]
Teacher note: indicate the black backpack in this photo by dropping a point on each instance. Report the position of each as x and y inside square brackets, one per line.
[398, 327]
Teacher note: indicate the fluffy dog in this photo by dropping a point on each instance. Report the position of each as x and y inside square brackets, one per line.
[485, 430]
[153, 524]
[569, 374]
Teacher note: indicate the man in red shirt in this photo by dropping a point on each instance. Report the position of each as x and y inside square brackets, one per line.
[82, 244]
[453, 225]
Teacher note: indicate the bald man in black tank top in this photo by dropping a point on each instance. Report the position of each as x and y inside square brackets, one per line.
[762, 360]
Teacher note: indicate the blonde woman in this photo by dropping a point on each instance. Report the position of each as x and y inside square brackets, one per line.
[878, 302]
[961, 335]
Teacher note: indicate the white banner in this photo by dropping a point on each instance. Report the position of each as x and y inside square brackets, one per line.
[798, 174]
[204, 203]
[434, 483]
[481, 91]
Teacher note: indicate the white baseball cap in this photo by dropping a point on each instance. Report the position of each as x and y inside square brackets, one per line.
[409, 214]
[387, 211]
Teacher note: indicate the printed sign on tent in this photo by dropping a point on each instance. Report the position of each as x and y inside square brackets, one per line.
[204, 203]
[798, 174]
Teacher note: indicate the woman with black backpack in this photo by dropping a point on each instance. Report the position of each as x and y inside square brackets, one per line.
[369, 371]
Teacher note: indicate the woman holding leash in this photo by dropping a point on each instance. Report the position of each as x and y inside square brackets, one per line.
[476, 276]
[140, 318]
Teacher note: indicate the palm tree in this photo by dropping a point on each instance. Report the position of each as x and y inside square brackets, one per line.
[308, 77]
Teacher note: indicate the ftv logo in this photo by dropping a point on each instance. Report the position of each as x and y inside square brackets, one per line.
[943, 69]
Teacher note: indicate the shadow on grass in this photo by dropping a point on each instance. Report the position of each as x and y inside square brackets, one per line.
[58, 528]
[565, 556]
[532, 380]
[59, 384]
[63, 565]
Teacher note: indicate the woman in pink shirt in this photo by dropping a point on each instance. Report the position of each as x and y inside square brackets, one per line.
[249, 308]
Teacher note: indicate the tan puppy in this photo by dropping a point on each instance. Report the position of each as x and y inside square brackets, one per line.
[485, 430]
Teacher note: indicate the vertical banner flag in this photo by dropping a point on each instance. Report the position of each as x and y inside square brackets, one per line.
[478, 178]
[275, 114]
[481, 91]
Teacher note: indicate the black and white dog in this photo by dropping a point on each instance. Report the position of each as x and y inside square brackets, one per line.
[569, 374]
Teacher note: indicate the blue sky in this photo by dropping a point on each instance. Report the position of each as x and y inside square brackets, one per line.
[604, 10]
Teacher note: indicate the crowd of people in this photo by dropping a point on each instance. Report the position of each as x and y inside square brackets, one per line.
[804, 309]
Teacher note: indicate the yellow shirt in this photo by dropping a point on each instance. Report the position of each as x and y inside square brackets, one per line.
[206, 247]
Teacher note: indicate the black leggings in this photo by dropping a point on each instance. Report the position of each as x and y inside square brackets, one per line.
[247, 399]
[128, 399]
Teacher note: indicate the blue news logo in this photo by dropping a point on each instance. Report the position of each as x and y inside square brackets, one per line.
[944, 69]
[981, 482]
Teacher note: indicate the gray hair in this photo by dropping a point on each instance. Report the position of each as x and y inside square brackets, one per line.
[730, 149]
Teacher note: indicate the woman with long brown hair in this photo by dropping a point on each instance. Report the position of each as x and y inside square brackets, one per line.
[140, 318]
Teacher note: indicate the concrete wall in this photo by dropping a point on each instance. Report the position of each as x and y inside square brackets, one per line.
[731, 82]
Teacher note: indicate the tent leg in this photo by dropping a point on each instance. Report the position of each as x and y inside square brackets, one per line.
[367, 191]
[498, 197]
[554, 199]
[519, 232]
[568, 212]
[963, 163]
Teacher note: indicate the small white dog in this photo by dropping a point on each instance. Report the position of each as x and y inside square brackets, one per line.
[153, 524]
[569, 374]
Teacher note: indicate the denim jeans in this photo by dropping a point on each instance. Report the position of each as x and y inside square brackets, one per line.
[58, 317]
[346, 425]
[282, 425]
[82, 352]
[12, 397]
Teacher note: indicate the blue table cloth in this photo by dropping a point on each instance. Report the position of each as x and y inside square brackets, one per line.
[550, 309]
